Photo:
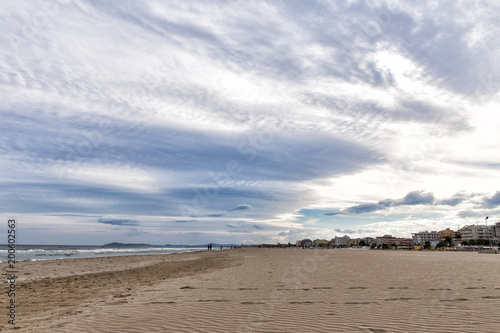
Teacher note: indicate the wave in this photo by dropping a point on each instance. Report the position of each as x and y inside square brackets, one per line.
[36, 252]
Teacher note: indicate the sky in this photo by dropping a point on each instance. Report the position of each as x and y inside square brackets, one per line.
[247, 121]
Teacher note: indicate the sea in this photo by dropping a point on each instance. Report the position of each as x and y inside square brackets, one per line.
[51, 252]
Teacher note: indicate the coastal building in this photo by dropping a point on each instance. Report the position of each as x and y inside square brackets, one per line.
[368, 240]
[340, 241]
[495, 230]
[434, 243]
[306, 243]
[386, 239]
[403, 242]
[354, 242]
[420, 238]
[320, 243]
[475, 232]
[448, 233]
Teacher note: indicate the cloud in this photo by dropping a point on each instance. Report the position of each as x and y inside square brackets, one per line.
[351, 231]
[410, 199]
[118, 221]
[416, 198]
[185, 221]
[454, 201]
[214, 215]
[243, 227]
[333, 213]
[364, 208]
[493, 201]
[468, 213]
[240, 207]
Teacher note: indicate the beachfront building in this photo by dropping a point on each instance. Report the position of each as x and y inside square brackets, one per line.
[403, 242]
[354, 242]
[448, 233]
[495, 231]
[475, 232]
[368, 240]
[340, 241]
[434, 243]
[306, 243]
[320, 243]
[420, 238]
[386, 239]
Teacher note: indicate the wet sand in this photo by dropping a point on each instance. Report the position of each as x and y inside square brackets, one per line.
[261, 290]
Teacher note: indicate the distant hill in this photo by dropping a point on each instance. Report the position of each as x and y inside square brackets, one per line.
[126, 244]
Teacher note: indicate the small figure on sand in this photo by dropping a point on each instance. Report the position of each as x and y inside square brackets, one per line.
[209, 247]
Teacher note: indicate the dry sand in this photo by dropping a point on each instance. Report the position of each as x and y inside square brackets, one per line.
[262, 290]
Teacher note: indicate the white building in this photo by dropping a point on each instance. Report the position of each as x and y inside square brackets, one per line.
[475, 232]
[340, 241]
[420, 238]
[495, 230]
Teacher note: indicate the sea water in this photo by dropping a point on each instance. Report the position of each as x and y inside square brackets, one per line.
[49, 252]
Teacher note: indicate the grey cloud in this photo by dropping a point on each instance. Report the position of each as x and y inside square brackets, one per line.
[412, 198]
[185, 221]
[333, 213]
[492, 201]
[351, 231]
[455, 200]
[468, 213]
[243, 225]
[240, 207]
[121, 222]
[416, 198]
[363, 208]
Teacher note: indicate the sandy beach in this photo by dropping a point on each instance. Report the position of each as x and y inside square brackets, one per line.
[261, 290]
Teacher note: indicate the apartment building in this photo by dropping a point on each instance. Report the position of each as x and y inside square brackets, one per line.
[419, 238]
[386, 239]
[475, 232]
[495, 230]
[340, 241]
